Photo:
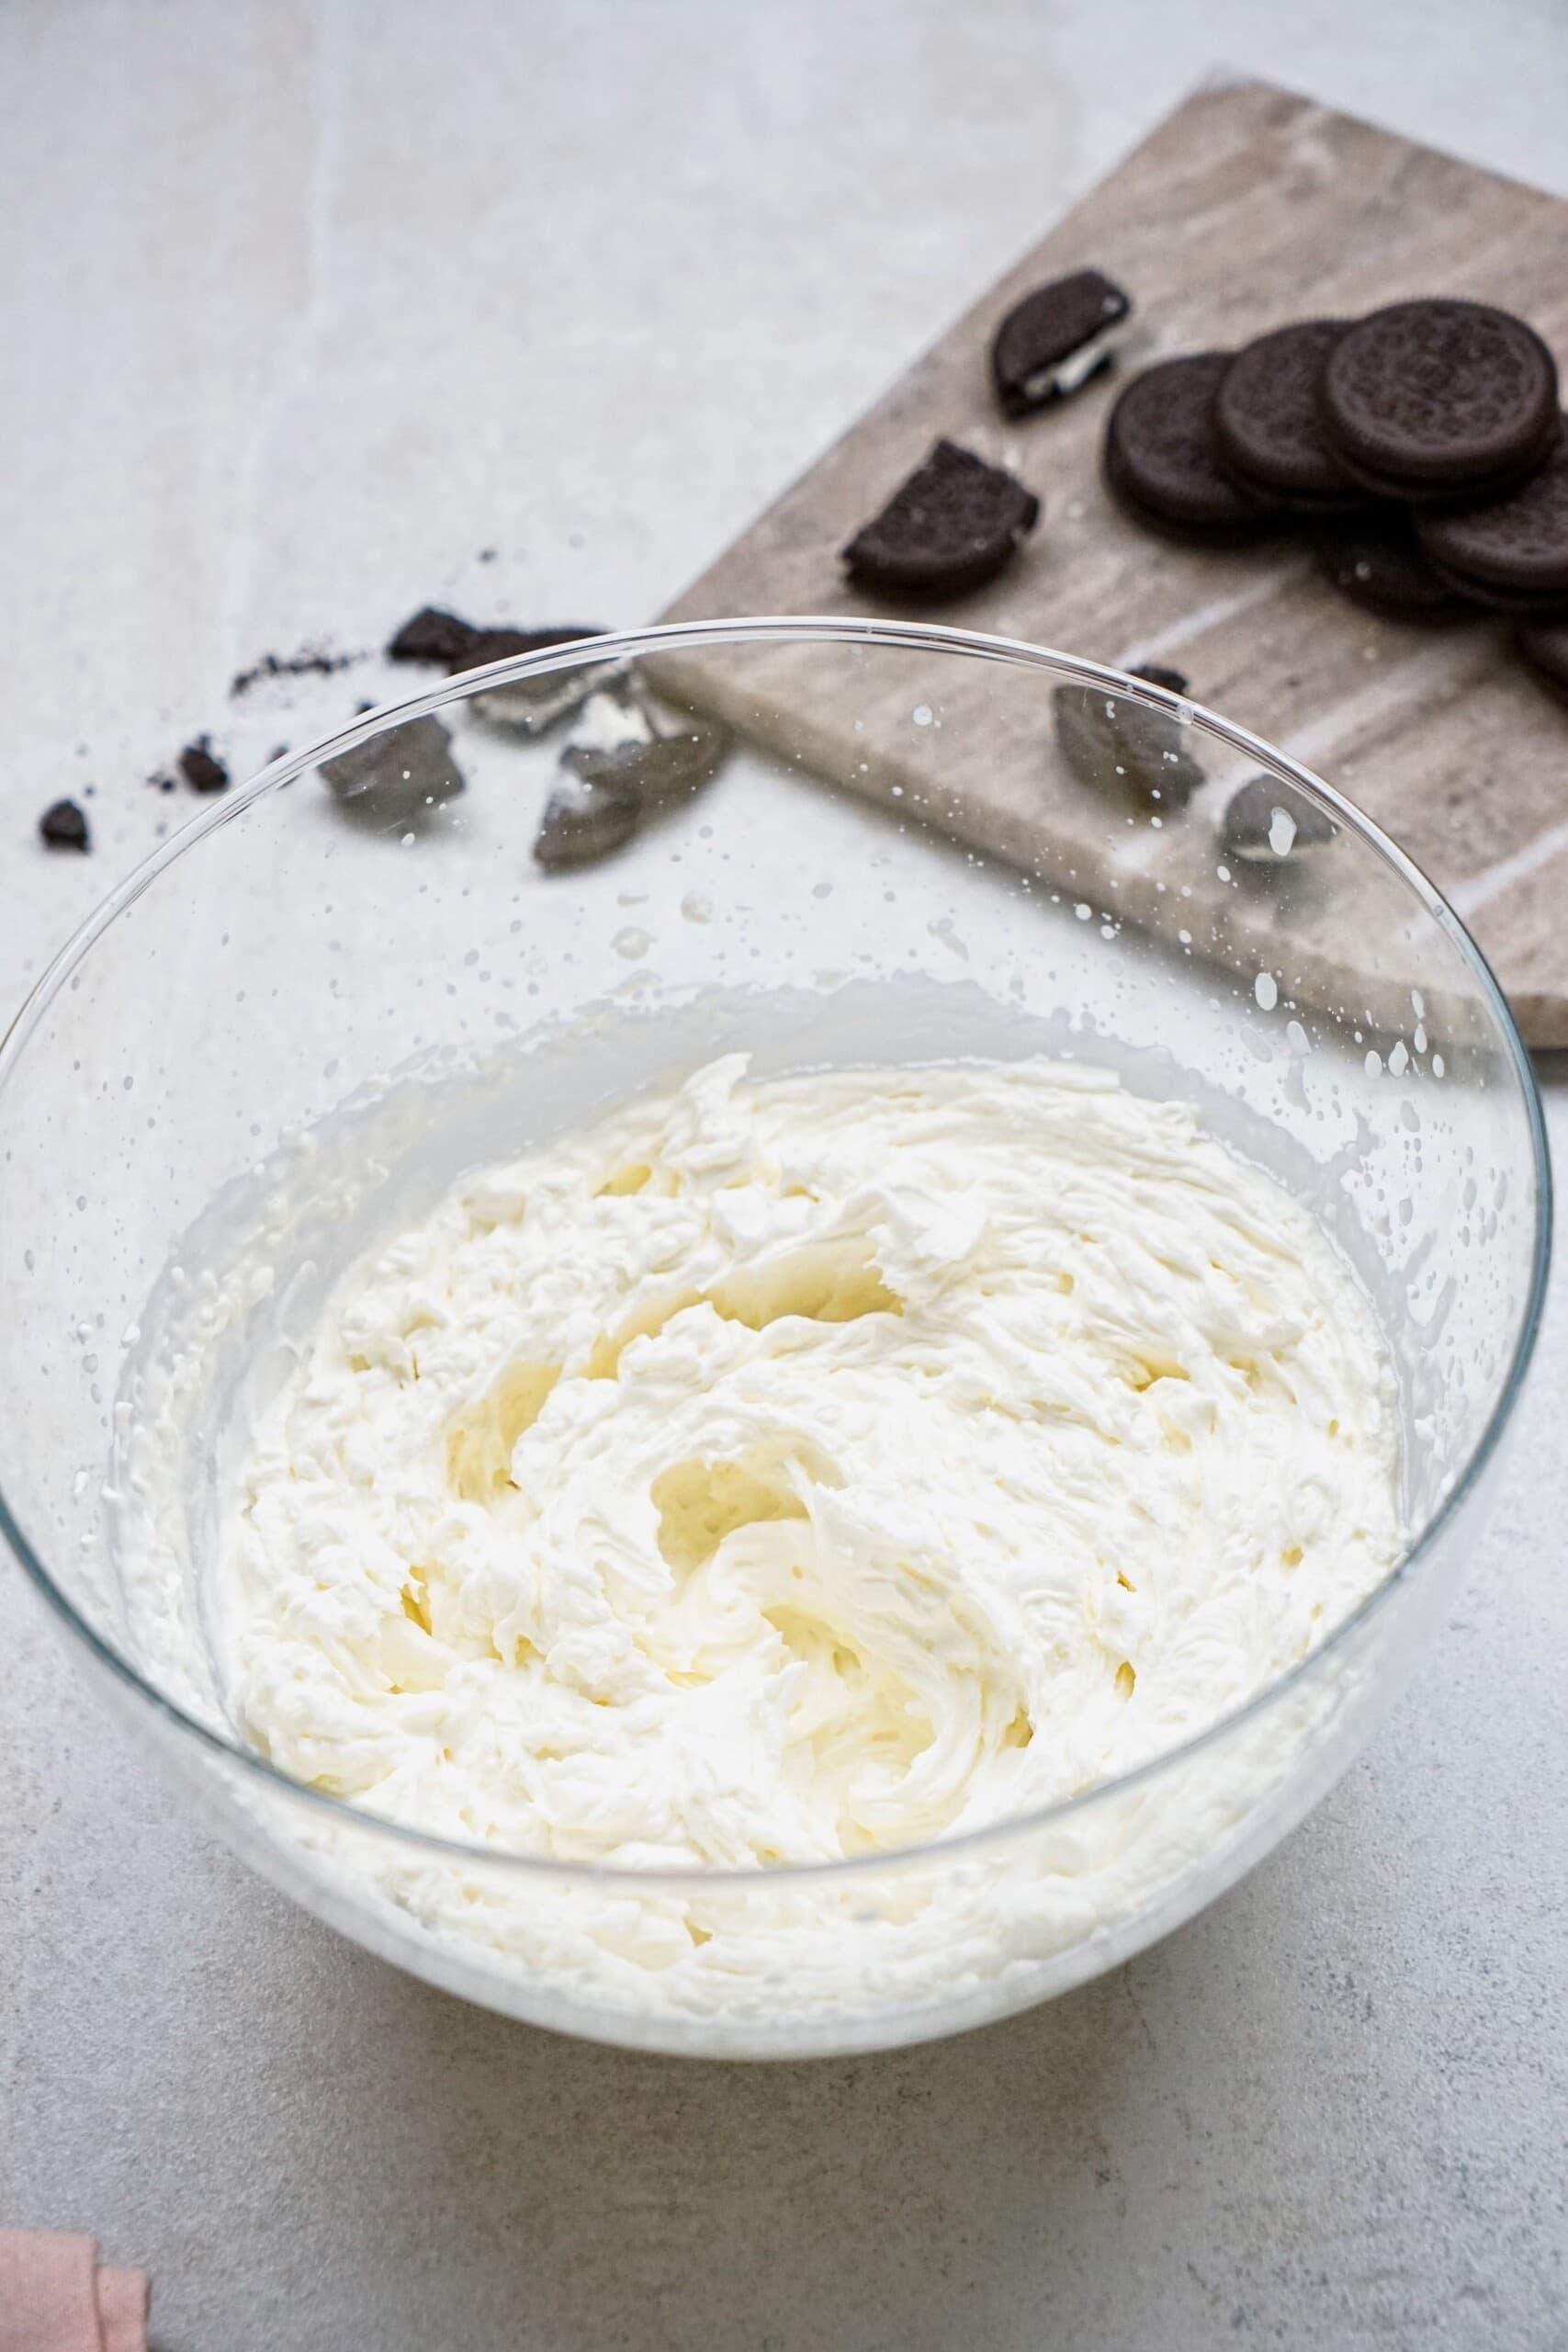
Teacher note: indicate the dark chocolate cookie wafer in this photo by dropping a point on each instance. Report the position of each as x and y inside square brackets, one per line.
[1545, 651]
[1161, 456]
[1377, 563]
[951, 527]
[1055, 339]
[1512, 551]
[1440, 399]
[1268, 420]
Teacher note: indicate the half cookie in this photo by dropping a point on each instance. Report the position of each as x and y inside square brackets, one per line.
[949, 528]
[1055, 339]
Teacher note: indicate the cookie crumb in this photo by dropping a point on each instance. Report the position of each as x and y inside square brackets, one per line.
[200, 769]
[311, 661]
[64, 827]
[434, 636]
[949, 527]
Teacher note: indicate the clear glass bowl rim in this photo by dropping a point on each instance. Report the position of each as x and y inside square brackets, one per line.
[778, 629]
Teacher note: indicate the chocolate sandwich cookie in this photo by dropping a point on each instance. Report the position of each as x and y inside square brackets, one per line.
[1545, 651]
[1161, 459]
[1440, 399]
[1509, 552]
[1268, 423]
[949, 528]
[1056, 339]
[1378, 563]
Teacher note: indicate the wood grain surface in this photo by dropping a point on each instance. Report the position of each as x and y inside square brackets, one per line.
[1246, 208]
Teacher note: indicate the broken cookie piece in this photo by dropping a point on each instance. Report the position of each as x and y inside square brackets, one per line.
[396, 778]
[1126, 750]
[445, 640]
[1056, 339]
[503, 644]
[622, 761]
[1155, 673]
[949, 528]
[584, 820]
[658, 765]
[534, 704]
[433, 636]
[1268, 820]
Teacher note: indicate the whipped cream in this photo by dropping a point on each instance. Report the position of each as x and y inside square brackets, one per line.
[781, 1472]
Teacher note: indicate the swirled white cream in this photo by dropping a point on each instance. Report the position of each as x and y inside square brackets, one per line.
[778, 1472]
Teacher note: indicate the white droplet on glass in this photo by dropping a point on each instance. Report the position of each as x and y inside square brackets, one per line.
[1281, 832]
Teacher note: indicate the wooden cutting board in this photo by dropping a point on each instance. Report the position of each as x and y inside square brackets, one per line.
[1246, 208]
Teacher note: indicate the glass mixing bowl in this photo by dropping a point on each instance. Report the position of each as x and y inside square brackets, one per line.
[339, 988]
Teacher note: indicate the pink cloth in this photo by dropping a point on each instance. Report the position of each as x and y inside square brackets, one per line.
[55, 2298]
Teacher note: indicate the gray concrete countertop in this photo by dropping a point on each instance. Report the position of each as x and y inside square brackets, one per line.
[306, 304]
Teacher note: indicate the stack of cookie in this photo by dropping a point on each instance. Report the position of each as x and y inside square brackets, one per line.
[1424, 444]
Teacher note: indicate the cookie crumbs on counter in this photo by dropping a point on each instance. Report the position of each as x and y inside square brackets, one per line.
[310, 661]
[431, 634]
[949, 527]
[200, 769]
[64, 827]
